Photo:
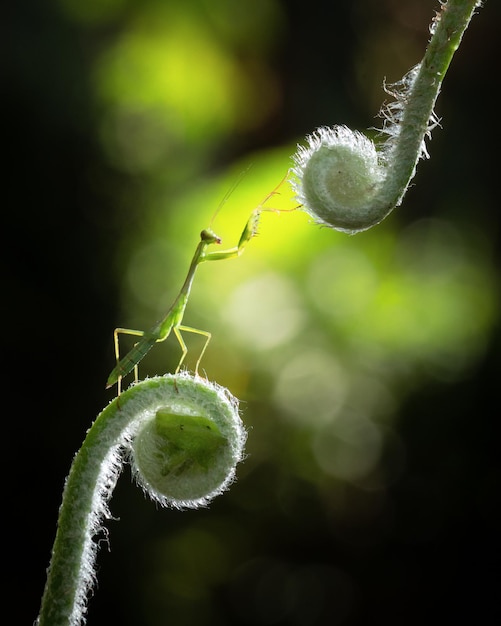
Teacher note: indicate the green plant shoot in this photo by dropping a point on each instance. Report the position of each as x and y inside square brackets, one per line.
[172, 321]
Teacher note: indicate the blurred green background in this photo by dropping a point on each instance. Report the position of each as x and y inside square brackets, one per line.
[367, 366]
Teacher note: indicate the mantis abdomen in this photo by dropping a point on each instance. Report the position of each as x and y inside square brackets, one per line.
[132, 358]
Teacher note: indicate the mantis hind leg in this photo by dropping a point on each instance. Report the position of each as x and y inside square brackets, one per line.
[177, 331]
[125, 331]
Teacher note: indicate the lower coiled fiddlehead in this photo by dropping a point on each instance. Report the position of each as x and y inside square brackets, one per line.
[183, 437]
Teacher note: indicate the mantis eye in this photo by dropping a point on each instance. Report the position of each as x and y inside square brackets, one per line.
[209, 236]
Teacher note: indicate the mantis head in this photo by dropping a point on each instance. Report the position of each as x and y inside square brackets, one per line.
[209, 236]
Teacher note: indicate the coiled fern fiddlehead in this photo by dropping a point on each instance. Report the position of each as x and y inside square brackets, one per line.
[183, 437]
[341, 178]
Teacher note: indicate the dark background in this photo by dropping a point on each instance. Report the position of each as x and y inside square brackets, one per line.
[271, 551]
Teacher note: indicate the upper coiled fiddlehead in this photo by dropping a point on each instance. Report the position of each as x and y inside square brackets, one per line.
[342, 179]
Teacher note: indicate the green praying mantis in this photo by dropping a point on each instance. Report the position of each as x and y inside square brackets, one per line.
[174, 317]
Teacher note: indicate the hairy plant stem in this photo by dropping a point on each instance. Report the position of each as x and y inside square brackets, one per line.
[77, 516]
[417, 112]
